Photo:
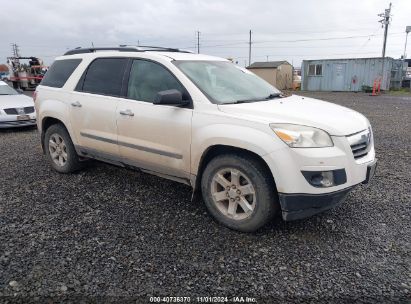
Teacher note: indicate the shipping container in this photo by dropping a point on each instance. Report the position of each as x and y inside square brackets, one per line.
[354, 74]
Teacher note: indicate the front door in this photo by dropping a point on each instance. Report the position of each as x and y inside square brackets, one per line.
[154, 137]
[338, 77]
[93, 107]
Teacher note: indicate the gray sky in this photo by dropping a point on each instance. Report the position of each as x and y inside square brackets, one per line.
[47, 28]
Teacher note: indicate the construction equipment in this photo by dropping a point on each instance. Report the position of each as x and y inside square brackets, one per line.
[26, 75]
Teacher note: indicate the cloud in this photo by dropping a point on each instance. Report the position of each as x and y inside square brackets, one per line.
[47, 28]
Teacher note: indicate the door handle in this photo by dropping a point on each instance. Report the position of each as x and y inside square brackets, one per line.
[126, 112]
[76, 104]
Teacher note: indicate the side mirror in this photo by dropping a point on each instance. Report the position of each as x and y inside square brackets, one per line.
[20, 91]
[170, 97]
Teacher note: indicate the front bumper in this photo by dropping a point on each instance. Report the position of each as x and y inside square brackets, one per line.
[299, 206]
[17, 123]
[298, 197]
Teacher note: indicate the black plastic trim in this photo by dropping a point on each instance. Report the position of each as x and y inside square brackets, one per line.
[142, 48]
[302, 205]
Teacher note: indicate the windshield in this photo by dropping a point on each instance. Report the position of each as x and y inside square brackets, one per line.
[224, 82]
[6, 90]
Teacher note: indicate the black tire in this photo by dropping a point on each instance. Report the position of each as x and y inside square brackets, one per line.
[266, 205]
[72, 162]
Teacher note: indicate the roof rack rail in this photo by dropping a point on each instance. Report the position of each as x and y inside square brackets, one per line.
[124, 48]
[80, 50]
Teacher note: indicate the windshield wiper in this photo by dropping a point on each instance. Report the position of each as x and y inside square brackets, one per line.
[273, 95]
[247, 100]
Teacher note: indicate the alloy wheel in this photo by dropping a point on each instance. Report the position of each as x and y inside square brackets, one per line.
[58, 149]
[233, 193]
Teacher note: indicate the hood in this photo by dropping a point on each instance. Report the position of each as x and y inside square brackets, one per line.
[334, 119]
[15, 101]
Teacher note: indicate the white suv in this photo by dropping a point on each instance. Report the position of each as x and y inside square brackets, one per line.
[205, 122]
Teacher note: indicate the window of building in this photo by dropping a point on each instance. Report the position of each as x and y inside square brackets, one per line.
[148, 78]
[59, 72]
[318, 69]
[104, 76]
[315, 70]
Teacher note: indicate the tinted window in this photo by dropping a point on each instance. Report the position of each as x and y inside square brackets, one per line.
[104, 76]
[59, 72]
[148, 78]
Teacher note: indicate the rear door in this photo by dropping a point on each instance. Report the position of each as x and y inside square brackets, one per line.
[154, 137]
[93, 107]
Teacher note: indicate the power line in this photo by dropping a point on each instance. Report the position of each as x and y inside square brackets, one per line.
[296, 40]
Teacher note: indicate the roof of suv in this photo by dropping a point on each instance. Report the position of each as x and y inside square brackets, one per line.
[171, 54]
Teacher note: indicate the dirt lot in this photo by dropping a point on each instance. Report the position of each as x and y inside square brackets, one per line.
[110, 234]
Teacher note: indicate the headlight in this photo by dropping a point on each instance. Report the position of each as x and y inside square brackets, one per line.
[297, 136]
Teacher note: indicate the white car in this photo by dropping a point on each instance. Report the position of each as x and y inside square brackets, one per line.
[206, 122]
[16, 110]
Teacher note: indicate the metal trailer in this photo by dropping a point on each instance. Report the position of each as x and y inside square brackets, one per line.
[356, 74]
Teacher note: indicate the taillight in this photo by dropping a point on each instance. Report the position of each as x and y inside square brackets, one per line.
[34, 96]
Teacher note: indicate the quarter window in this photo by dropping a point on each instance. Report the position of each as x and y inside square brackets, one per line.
[148, 78]
[104, 76]
[59, 72]
[315, 70]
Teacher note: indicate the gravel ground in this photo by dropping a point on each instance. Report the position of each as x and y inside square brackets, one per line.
[108, 234]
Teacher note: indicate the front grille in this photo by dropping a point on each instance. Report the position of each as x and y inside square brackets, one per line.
[11, 111]
[14, 111]
[359, 150]
[29, 110]
[360, 143]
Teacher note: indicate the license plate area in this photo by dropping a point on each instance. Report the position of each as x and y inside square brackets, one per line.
[23, 117]
[370, 172]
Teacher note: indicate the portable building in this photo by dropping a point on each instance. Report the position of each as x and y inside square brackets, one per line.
[277, 73]
[347, 74]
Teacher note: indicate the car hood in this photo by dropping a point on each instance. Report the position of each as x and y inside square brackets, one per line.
[334, 119]
[15, 101]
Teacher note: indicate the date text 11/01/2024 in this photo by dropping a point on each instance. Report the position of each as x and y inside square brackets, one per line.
[203, 299]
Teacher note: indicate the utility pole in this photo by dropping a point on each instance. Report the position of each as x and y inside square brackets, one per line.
[15, 50]
[385, 22]
[404, 71]
[249, 50]
[198, 42]
[16, 54]
[407, 30]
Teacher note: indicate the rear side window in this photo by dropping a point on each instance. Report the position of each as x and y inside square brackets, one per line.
[104, 76]
[59, 72]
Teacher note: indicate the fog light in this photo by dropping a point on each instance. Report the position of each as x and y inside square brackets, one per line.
[324, 179]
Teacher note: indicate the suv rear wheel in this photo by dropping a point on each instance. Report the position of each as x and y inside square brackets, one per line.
[60, 150]
[238, 192]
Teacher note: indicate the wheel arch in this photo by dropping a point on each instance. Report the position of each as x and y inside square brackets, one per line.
[46, 122]
[220, 149]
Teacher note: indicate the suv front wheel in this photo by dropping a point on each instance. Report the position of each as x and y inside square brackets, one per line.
[239, 192]
[60, 150]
